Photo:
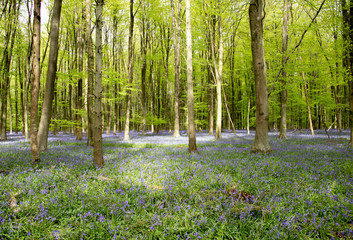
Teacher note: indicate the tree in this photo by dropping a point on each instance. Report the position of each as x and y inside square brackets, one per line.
[80, 80]
[5, 65]
[35, 82]
[89, 50]
[98, 145]
[51, 76]
[256, 17]
[283, 124]
[130, 70]
[144, 42]
[176, 39]
[190, 91]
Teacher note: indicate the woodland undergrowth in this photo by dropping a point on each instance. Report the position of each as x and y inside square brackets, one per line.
[152, 188]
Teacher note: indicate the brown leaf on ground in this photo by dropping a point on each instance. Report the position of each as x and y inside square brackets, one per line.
[155, 187]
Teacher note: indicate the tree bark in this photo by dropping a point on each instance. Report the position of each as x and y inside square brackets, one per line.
[80, 80]
[350, 83]
[256, 15]
[98, 160]
[190, 90]
[283, 124]
[51, 77]
[35, 82]
[5, 65]
[130, 70]
[210, 104]
[144, 42]
[308, 105]
[177, 39]
[90, 69]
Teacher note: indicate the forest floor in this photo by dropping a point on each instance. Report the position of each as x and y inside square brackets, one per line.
[152, 188]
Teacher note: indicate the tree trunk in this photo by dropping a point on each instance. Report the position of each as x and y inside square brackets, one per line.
[283, 124]
[80, 80]
[177, 39]
[5, 65]
[90, 69]
[190, 90]
[210, 104]
[351, 71]
[130, 70]
[256, 15]
[308, 105]
[35, 82]
[152, 95]
[51, 76]
[144, 41]
[98, 160]
[219, 83]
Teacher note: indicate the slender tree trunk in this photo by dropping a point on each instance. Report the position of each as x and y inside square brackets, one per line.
[351, 70]
[10, 110]
[248, 112]
[190, 90]
[51, 76]
[5, 69]
[177, 39]
[308, 105]
[210, 104]
[130, 70]
[16, 95]
[283, 124]
[35, 82]
[80, 80]
[98, 160]
[144, 41]
[256, 15]
[219, 83]
[152, 95]
[90, 69]
[228, 112]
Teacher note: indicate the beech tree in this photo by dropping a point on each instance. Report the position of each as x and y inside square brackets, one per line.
[256, 17]
[35, 82]
[98, 145]
[51, 76]
[176, 38]
[190, 91]
[90, 69]
[130, 70]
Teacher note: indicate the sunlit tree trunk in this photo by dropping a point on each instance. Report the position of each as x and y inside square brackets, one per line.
[256, 15]
[210, 103]
[90, 69]
[51, 77]
[177, 39]
[190, 90]
[35, 82]
[283, 124]
[308, 105]
[130, 70]
[98, 146]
